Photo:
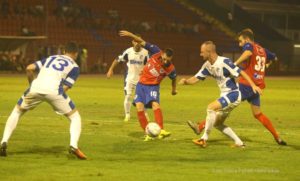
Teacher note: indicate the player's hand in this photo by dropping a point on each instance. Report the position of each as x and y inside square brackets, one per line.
[182, 81]
[257, 90]
[109, 74]
[174, 92]
[125, 33]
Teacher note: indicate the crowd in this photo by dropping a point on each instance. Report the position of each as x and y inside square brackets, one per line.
[11, 61]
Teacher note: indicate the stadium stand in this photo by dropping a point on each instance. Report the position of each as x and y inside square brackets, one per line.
[95, 23]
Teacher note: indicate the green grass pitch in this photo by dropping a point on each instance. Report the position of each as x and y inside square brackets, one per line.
[38, 148]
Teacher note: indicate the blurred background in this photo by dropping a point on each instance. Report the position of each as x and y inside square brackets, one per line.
[33, 29]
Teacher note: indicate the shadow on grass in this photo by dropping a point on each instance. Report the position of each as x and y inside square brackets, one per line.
[54, 150]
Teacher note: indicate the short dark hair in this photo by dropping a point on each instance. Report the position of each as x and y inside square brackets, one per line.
[247, 33]
[169, 52]
[71, 47]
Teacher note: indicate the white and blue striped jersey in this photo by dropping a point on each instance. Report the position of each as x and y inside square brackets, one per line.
[54, 72]
[224, 71]
[135, 63]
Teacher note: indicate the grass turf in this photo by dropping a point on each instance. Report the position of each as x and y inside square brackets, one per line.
[116, 151]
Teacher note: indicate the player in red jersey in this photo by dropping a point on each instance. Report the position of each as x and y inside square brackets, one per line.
[147, 90]
[253, 61]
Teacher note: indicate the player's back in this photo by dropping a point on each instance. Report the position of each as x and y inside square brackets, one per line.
[255, 66]
[54, 72]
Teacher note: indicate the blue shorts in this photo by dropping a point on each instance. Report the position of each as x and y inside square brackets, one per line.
[146, 94]
[249, 95]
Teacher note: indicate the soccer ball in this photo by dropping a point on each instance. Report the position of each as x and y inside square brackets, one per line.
[152, 129]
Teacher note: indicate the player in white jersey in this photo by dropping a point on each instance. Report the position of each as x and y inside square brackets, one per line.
[224, 71]
[135, 58]
[56, 75]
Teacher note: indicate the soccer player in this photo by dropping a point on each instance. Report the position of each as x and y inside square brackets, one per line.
[254, 61]
[135, 58]
[55, 75]
[147, 90]
[224, 71]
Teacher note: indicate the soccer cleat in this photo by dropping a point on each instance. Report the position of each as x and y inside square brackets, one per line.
[281, 142]
[148, 138]
[194, 127]
[77, 153]
[127, 118]
[163, 134]
[200, 142]
[238, 146]
[3, 149]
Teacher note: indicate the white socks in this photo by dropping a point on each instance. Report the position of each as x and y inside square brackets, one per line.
[127, 105]
[75, 129]
[11, 124]
[210, 121]
[229, 132]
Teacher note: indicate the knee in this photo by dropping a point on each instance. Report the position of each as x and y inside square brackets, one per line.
[155, 105]
[139, 107]
[211, 107]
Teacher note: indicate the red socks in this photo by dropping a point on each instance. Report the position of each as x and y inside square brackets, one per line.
[201, 125]
[159, 118]
[142, 119]
[267, 123]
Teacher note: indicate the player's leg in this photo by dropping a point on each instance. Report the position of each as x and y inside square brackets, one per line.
[139, 102]
[75, 131]
[222, 115]
[127, 100]
[141, 114]
[197, 127]
[10, 126]
[159, 120]
[26, 102]
[212, 109]
[63, 105]
[264, 120]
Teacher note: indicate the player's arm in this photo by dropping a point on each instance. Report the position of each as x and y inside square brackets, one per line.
[30, 71]
[254, 87]
[245, 56]
[66, 88]
[173, 77]
[189, 81]
[110, 71]
[201, 75]
[271, 57]
[133, 36]
[70, 79]
[247, 53]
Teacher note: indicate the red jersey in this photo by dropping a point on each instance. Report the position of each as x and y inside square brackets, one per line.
[255, 66]
[155, 71]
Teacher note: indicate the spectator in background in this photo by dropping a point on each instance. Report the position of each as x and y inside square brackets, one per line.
[83, 58]
[5, 8]
[26, 32]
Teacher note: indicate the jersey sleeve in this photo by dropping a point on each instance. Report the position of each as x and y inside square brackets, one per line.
[270, 55]
[152, 49]
[232, 68]
[71, 77]
[248, 46]
[202, 73]
[123, 57]
[39, 64]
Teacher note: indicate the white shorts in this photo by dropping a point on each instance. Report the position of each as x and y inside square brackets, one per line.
[229, 101]
[129, 88]
[62, 104]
